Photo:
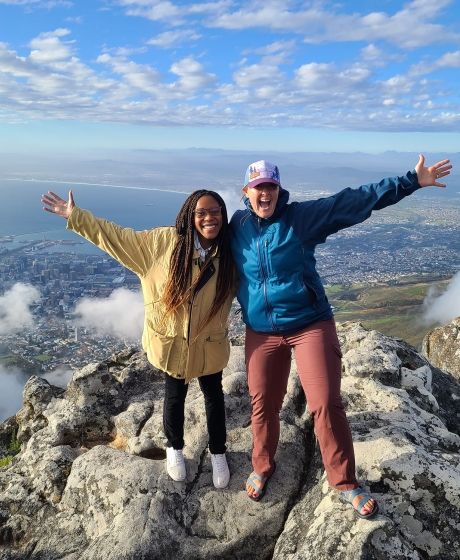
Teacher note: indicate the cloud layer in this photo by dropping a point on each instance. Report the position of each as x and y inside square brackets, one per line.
[381, 74]
[120, 315]
[442, 308]
[15, 308]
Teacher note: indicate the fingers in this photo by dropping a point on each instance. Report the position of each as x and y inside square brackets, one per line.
[54, 204]
[442, 163]
[421, 160]
[52, 198]
[440, 170]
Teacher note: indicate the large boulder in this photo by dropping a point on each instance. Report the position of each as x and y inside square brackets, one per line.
[442, 347]
[91, 472]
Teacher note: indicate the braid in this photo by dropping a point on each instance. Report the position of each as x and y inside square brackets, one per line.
[179, 287]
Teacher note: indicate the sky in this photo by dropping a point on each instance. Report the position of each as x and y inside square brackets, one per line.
[88, 75]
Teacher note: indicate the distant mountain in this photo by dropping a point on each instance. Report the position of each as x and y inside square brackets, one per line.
[219, 169]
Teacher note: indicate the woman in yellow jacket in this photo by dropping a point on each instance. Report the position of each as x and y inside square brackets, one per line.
[187, 278]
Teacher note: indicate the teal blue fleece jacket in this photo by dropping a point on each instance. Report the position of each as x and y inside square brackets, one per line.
[280, 290]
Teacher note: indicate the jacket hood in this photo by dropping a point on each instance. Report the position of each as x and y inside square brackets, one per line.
[283, 198]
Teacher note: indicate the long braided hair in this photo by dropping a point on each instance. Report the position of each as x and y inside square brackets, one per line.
[179, 288]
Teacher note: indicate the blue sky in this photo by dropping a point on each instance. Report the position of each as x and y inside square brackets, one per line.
[77, 76]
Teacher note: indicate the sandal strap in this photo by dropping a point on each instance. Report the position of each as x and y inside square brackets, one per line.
[364, 499]
[350, 495]
[359, 492]
[256, 481]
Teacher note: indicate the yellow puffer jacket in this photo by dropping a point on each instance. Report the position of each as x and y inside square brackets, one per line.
[174, 343]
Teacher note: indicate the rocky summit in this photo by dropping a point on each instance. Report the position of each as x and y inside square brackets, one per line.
[89, 482]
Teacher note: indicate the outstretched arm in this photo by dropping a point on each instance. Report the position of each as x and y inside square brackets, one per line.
[132, 249]
[320, 218]
[57, 205]
[428, 176]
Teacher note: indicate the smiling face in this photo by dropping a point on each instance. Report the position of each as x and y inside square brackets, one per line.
[263, 198]
[207, 220]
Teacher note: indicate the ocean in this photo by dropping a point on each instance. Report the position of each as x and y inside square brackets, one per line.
[22, 216]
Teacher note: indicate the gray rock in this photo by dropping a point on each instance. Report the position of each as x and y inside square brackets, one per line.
[442, 347]
[91, 472]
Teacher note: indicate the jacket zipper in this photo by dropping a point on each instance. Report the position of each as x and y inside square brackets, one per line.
[264, 276]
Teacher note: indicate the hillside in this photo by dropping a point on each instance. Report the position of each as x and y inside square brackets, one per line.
[395, 309]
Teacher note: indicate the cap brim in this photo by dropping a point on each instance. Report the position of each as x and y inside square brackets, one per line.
[261, 181]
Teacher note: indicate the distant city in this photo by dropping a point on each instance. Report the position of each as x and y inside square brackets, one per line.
[420, 237]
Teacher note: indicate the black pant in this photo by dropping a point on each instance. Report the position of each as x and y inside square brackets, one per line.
[173, 411]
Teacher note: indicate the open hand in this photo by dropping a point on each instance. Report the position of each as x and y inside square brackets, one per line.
[57, 205]
[429, 176]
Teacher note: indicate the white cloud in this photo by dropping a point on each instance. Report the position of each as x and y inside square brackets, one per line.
[12, 381]
[399, 84]
[170, 39]
[15, 304]
[120, 315]
[442, 308]
[154, 10]
[276, 47]
[173, 14]
[256, 75]
[447, 60]
[48, 48]
[409, 27]
[138, 76]
[59, 376]
[192, 75]
[232, 199]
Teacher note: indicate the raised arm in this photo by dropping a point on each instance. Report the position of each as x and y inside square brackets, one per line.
[317, 219]
[132, 249]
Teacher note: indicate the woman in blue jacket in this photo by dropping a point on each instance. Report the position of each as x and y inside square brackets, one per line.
[285, 307]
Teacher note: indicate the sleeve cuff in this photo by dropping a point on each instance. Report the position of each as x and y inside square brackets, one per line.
[409, 182]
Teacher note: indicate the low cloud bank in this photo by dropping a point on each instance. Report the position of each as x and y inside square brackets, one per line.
[59, 376]
[232, 199]
[12, 382]
[15, 313]
[443, 307]
[120, 315]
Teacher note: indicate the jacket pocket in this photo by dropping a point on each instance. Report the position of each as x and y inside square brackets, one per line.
[159, 321]
[216, 352]
[312, 294]
[165, 351]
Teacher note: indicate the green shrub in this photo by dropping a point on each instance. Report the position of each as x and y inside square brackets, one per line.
[14, 446]
[6, 461]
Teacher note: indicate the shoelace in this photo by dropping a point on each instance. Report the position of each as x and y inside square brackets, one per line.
[220, 463]
[176, 457]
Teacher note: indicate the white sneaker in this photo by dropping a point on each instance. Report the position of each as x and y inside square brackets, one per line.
[175, 464]
[220, 472]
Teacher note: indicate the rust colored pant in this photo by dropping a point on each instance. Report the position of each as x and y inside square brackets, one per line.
[318, 358]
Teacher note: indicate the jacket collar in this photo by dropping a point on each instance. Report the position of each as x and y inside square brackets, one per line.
[198, 251]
